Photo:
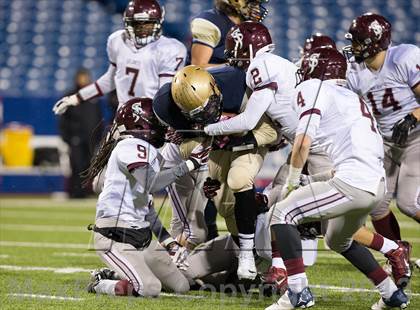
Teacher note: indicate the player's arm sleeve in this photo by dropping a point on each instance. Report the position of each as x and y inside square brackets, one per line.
[105, 84]
[156, 225]
[205, 32]
[248, 119]
[171, 61]
[309, 113]
[152, 181]
[409, 66]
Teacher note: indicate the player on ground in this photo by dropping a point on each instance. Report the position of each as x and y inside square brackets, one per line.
[190, 103]
[209, 28]
[336, 118]
[141, 58]
[122, 236]
[388, 78]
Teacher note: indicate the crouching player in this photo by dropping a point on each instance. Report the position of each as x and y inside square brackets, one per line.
[122, 237]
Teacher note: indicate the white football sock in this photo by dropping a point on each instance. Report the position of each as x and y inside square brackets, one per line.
[386, 288]
[246, 243]
[388, 246]
[297, 282]
[278, 263]
[106, 287]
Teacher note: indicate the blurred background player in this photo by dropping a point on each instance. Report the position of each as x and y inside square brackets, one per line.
[140, 58]
[210, 27]
[388, 79]
[123, 233]
[81, 128]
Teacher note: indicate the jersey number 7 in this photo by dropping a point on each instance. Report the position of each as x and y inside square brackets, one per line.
[135, 73]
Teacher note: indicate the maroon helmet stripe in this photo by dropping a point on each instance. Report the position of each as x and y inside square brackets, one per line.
[310, 111]
[166, 75]
[272, 85]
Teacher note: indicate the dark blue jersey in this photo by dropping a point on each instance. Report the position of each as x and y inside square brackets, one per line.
[231, 82]
[210, 28]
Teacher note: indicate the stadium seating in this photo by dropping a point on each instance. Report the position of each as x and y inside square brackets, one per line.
[43, 42]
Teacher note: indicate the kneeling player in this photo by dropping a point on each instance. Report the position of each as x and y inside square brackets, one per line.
[122, 236]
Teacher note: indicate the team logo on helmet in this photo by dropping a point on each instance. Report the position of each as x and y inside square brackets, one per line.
[376, 28]
[238, 38]
[137, 111]
[313, 62]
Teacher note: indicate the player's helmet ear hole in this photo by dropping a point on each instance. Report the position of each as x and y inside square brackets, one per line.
[192, 86]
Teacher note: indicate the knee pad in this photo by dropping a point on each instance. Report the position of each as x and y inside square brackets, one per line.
[409, 204]
[338, 245]
[239, 180]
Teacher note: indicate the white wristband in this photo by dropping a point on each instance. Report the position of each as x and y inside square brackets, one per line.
[294, 175]
[168, 241]
[190, 165]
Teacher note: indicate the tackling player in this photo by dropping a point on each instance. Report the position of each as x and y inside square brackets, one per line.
[336, 118]
[388, 78]
[122, 237]
[141, 58]
[209, 28]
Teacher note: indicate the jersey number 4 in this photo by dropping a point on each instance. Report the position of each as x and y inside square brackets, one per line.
[388, 101]
[365, 112]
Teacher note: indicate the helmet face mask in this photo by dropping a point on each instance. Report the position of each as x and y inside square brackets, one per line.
[250, 9]
[143, 21]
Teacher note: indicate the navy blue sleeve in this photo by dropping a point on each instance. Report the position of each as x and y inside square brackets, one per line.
[232, 84]
[167, 111]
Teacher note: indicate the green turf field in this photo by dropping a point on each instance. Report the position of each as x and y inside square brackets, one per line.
[44, 264]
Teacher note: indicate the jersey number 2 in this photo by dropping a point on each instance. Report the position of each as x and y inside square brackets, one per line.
[141, 151]
[135, 73]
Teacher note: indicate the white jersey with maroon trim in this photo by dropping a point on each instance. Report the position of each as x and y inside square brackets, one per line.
[341, 123]
[389, 91]
[278, 74]
[122, 196]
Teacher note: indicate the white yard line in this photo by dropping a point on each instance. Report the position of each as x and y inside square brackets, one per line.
[45, 245]
[45, 296]
[181, 296]
[74, 254]
[24, 227]
[352, 290]
[40, 268]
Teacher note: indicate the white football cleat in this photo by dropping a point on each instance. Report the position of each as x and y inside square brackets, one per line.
[246, 266]
[291, 300]
[398, 300]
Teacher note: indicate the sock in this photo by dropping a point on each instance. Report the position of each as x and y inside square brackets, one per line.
[106, 287]
[277, 261]
[245, 211]
[297, 282]
[386, 288]
[383, 245]
[210, 214]
[246, 243]
[362, 259]
[388, 227]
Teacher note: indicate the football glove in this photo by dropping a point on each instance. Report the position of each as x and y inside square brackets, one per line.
[292, 182]
[64, 103]
[210, 187]
[177, 252]
[402, 128]
[174, 136]
[198, 157]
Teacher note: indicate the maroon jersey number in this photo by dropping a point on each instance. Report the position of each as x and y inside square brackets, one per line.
[141, 151]
[300, 100]
[135, 72]
[388, 101]
[256, 76]
[365, 112]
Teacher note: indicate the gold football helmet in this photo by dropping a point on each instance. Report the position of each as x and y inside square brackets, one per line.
[196, 93]
[250, 9]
